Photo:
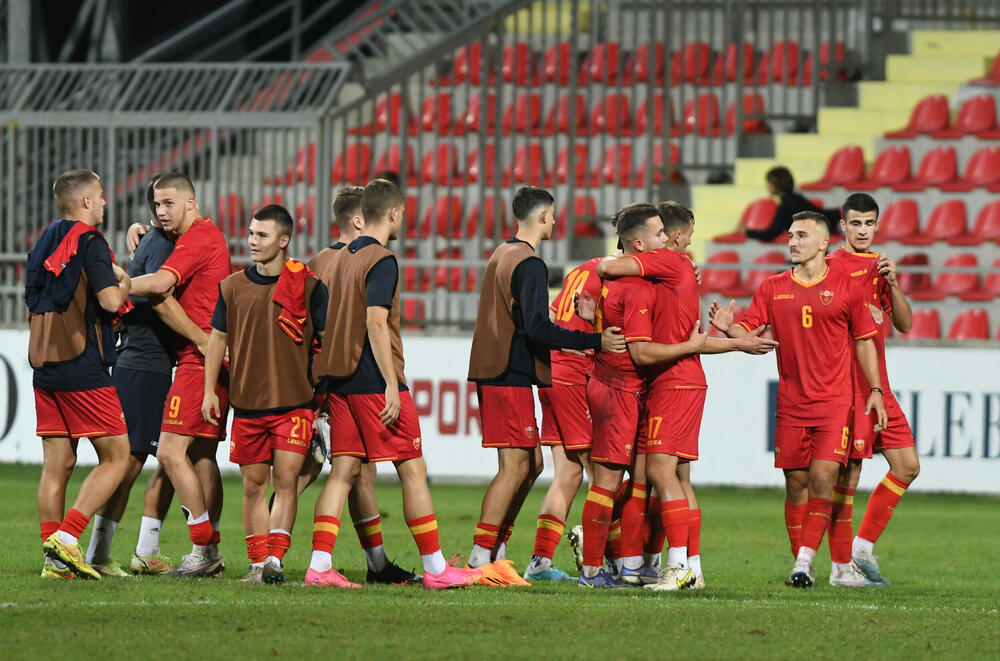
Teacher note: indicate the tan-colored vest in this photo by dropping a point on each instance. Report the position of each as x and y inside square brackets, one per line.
[268, 370]
[347, 325]
[495, 321]
[324, 264]
[57, 337]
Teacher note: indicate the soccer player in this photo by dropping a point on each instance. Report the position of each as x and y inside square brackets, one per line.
[199, 262]
[361, 501]
[675, 394]
[510, 353]
[271, 317]
[814, 312]
[566, 424]
[877, 276]
[72, 288]
[371, 410]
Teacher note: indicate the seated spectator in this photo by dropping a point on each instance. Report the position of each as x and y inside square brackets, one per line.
[781, 184]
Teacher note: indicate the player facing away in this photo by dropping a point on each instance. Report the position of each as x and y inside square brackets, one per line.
[510, 354]
[371, 410]
[72, 289]
[271, 317]
[566, 424]
[361, 501]
[187, 447]
[817, 314]
[876, 274]
[675, 397]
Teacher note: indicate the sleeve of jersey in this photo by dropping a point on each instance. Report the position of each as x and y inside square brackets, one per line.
[756, 315]
[184, 260]
[380, 283]
[318, 305]
[884, 295]
[97, 264]
[862, 324]
[530, 295]
[219, 316]
[660, 265]
[638, 322]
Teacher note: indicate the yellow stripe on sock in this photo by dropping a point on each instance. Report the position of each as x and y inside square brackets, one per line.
[843, 498]
[893, 487]
[551, 525]
[372, 529]
[614, 534]
[639, 490]
[600, 499]
[424, 527]
[326, 527]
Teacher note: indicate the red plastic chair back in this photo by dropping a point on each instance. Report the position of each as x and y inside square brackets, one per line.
[926, 325]
[529, 165]
[755, 278]
[701, 114]
[479, 165]
[645, 60]
[939, 166]
[758, 214]
[726, 63]
[612, 115]
[642, 115]
[518, 65]
[435, 116]
[581, 169]
[524, 115]
[468, 64]
[473, 115]
[584, 206]
[602, 64]
[691, 63]
[753, 115]
[616, 166]
[780, 63]
[392, 159]
[900, 220]
[558, 120]
[891, 166]
[977, 114]
[440, 165]
[556, 65]
[352, 166]
[983, 168]
[972, 324]
[987, 227]
[929, 115]
[846, 166]
[485, 215]
[948, 219]
[955, 284]
[910, 281]
[715, 279]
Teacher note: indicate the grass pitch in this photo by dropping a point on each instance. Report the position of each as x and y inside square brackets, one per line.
[940, 551]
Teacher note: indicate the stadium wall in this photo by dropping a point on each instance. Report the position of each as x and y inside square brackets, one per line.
[950, 395]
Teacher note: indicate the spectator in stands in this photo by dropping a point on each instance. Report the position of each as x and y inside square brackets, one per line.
[780, 183]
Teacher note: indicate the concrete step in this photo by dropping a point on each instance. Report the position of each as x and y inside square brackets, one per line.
[815, 147]
[861, 122]
[935, 68]
[874, 95]
[955, 42]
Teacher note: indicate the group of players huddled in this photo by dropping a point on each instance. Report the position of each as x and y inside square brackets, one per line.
[310, 359]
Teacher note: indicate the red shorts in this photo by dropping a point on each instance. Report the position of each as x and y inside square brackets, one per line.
[617, 415]
[865, 440]
[254, 440]
[182, 410]
[674, 421]
[566, 416]
[78, 413]
[358, 431]
[507, 414]
[795, 447]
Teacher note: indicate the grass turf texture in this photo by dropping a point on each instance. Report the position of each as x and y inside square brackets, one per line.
[940, 552]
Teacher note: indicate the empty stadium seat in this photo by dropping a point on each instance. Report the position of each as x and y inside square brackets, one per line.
[690, 64]
[645, 60]
[661, 116]
[584, 206]
[846, 166]
[989, 289]
[615, 166]
[926, 325]
[938, 166]
[351, 166]
[230, 215]
[721, 280]
[728, 62]
[468, 64]
[757, 215]
[982, 170]
[755, 278]
[523, 115]
[701, 114]
[558, 120]
[658, 162]
[913, 281]
[951, 283]
[929, 115]
[892, 166]
[972, 324]
[612, 115]
[899, 220]
[445, 217]
[485, 216]
[556, 65]
[473, 114]
[270, 198]
[440, 166]
[305, 215]
[518, 64]
[413, 313]
[389, 116]
[581, 171]
[481, 171]
[435, 115]
[986, 227]
[753, 115]
[977, 116]
[779, 64]
[992, 77]
[528, 166]
[839, 55]
[392, 159]
[602, 64]
[948, 219]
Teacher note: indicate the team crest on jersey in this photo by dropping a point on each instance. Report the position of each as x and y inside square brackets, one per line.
[416, 443]
[826, 296]
[859, 444]
[643, 310]
[529, 432]
[877, 314]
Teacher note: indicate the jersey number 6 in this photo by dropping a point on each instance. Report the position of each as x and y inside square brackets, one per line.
[807, 318]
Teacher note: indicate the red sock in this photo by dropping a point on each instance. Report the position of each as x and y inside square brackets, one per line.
[74, 523]
[633, 513]
[201, 533]
[325, 530]
[486, 535]
[613, 547]
[596, 522]
[256, 548]
[425, 533]
[506, 529]
[794, 515]
[548, 532]
[881, 505]
[654, 521]
[278, 542]
[48, 528]
[841, 530]
[816, 522]
[369, 532]
[216, 537]
[694, 532]
[675, 521]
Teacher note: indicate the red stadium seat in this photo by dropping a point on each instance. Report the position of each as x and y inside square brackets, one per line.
[275, 198]
[977, 116]
[914, 281]
[518, 65]
[469, 64]
[721, 280]
[351, 166]
[939, 166]
[435, 116]
[755, 278]
[389, 116]
[986, 227]
[612, 115]
[929, 115]
[413, 313]
[674, 174]
[305, 215]
[727, 63]
[926, 325]
[558, 120]
[528, 166]
[989, 289]
[660, 117]
[892, 166]
[445, 217]
[584, 207]
[839, 55]
[691, 63]
[757, 215]
[485, 216]
[701, 114]
[484, 171]
[523, 115]
[556, 65]
[616, 166]
[230, 215]
[900, 220]
[982, 170]
[440, 165]
[846, 166]
[392, 159]
[581, 170]
[953, 283]
[779, 64]
[753, 115]
[992, 78]
[948, 219]
[602, 64]
[645, 60]
[972, 324]
[473, 114]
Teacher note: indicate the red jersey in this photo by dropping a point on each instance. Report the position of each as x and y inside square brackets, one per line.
[816, 325]
[200, 261]
[678, 307]
[568, 368]
[628, 304]
[863, 269]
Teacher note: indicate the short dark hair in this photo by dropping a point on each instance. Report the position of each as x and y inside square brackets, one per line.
[860, 202]
[177, 180]
[390, 175]
[675, 216]
[781, 178]
[279, 214]
[150, 194]
[529, 198]
[68, 186]
[629, 221]
[378, 197]
[347, 203]
[819, 218]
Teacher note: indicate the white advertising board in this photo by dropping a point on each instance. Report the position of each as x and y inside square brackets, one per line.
[951, 397]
